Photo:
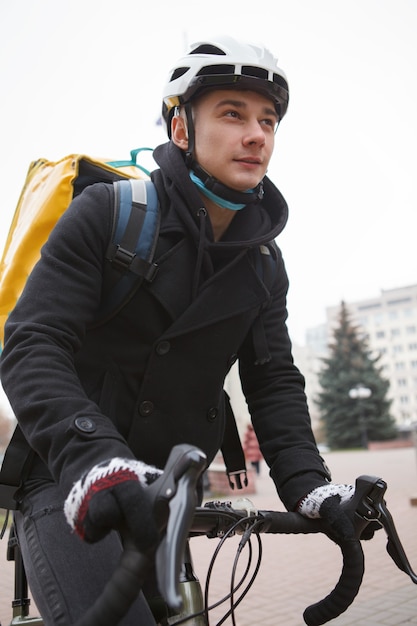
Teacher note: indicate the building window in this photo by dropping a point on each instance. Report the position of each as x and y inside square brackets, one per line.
[378, 319]
[380, 334]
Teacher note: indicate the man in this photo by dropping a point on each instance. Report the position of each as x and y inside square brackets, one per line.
[102, 407]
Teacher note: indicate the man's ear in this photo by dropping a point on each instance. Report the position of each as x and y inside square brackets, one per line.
[179, 132]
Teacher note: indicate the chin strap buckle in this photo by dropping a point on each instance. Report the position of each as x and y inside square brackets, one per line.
[260, 190]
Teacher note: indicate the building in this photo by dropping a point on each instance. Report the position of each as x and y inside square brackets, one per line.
[389, 322]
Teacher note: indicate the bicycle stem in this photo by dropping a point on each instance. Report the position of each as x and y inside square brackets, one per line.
[175, 500]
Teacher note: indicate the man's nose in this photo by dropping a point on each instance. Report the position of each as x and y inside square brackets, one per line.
[254, 132]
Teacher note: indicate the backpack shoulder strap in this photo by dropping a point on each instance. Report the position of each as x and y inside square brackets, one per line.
[265, 265]
[232, 451]
[130, 253]
[136, 221]
[17, 458]
[265, 257]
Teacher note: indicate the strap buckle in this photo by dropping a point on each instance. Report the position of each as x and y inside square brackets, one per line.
[237, 476]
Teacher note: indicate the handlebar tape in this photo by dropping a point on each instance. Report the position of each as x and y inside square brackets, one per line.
[120, 592]
[344, 592]
[350, 579]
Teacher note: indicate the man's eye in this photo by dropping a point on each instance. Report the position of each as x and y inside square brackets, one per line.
[270, 122]
[232, 114]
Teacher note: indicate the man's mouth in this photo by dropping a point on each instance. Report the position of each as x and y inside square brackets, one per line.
[250, 160]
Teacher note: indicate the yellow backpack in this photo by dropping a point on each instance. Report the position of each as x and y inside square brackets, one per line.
[47, 192]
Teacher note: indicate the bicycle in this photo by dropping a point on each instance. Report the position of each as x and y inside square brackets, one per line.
[179, 520]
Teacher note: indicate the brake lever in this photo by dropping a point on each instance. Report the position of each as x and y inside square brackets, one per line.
[368, 505]
[362, 507]
[394, 545]
[174, 495]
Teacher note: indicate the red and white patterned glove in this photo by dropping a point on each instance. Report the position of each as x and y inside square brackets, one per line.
[112, 495]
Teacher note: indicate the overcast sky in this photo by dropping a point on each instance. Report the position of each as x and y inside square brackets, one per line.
[86, 76]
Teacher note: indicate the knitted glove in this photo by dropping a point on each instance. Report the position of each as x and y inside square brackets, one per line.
[112, 495]
[325, 502]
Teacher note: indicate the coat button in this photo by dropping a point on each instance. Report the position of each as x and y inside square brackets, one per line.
[146, 408]
[212, 414]
[163, 347]
[85, 425]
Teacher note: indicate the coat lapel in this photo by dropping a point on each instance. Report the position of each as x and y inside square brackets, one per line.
[223, 296]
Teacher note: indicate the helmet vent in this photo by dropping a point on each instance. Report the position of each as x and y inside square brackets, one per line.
[180, 71]
[280, 81]
[206, 48]
[257, 72]
[216, 69]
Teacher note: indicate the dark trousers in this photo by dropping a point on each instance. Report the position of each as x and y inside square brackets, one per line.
[64, 573]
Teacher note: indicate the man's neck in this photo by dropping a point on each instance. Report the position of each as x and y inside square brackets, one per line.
[220, 218]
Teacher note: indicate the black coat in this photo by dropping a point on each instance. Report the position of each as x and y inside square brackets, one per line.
[153, 376]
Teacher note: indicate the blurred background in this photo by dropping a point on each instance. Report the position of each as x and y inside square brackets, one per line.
[86, 77]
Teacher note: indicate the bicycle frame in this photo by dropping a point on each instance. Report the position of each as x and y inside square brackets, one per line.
[192, 596]
[21, 601]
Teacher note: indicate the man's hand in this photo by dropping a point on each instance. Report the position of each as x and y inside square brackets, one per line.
[325, 502]
[112, 495]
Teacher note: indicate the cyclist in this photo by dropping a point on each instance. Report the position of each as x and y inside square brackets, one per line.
[101, 407]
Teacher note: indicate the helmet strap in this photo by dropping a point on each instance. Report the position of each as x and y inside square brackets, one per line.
[225, 204]
[221, 191]
[191, 134]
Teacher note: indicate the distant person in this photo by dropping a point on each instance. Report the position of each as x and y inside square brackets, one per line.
[251, 449]
[101, 408]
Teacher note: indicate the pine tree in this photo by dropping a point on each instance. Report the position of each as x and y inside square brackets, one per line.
[351, 422]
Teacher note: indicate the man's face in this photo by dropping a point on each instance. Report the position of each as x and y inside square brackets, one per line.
[234, 136]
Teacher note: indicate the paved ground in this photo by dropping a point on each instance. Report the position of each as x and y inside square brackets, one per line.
[297, 571]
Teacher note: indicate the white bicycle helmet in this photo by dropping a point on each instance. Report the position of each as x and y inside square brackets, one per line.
[224, 63]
